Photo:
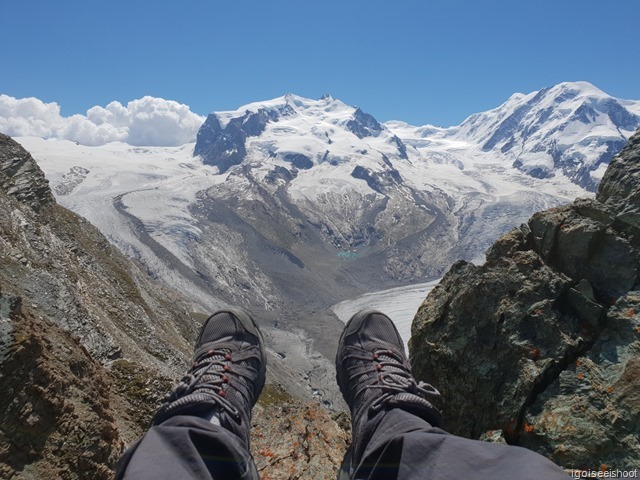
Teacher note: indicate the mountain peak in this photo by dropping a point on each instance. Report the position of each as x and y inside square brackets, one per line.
[295, 100]
[581, 88]
[573, 128]
[293, 127]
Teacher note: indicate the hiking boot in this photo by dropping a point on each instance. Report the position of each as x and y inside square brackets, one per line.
[374, 376]
[226, 376]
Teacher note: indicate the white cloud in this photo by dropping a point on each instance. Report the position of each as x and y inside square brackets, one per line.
[146, 121]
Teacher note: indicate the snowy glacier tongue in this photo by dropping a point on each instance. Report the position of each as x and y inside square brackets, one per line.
[400, 304]
[155, 185]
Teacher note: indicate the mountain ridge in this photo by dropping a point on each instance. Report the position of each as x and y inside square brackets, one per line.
[73, 312]
[588, 115]
[573, 128]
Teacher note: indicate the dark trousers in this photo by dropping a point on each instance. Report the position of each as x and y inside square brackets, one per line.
[403, 446]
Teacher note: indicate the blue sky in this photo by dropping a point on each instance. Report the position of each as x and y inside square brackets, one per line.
[419, 61]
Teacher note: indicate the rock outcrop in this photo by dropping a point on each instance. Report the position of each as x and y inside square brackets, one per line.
[72, 310]
[56, 415]
[291, 439]
[224, 147]
[540, 346]
[21, 177]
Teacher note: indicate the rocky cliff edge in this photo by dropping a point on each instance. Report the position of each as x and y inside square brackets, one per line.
[540, 346]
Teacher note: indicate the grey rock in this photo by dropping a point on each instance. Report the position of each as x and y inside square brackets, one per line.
[619, 186]
[364, 125]
[493, 436]
[376, 180]
[586, 248]
[586, 309]
[299, 160]
[402, 148]
[591, 412]
[70, 180]
[21, 177]
[489, 337]
[10, 305]
[225, 147]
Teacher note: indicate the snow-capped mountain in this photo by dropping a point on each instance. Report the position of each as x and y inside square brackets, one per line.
[296, 131]
[311, 202]
[574, 128]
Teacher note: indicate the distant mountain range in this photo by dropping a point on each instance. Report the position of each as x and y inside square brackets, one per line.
[572, 128]
[310, 202]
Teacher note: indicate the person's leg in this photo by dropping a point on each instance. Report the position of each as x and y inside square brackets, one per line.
[396, 430]
[187, 447]
[406, 446]
[202, 429]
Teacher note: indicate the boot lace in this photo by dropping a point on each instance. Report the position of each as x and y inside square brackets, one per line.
[216, 371]
[392, 376]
